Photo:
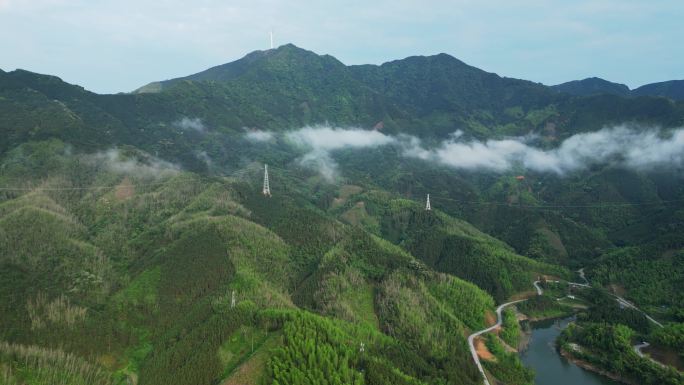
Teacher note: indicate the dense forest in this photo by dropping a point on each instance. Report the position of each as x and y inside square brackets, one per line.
[156, 268]
[137, 247]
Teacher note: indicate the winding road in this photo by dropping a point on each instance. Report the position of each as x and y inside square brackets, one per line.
[628, 304]
[581, 274]
[499, 310]
[471, 338]
[637, 348]
[643, 345]
[499, 321]
[539, 289]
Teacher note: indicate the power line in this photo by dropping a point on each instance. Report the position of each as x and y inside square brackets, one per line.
[170, 179]
[88, 187]
[290, 173]
[546, 206]
[540, 206]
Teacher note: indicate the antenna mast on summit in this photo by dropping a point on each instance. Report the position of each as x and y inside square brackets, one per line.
[267, 187]
[427, 204]
[271, 39]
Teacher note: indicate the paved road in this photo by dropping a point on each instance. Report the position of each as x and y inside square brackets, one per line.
[539, 289]
[499, 310]
[628, 304]
[619, 299]
[637, 348]
[471, 338]
[643, 345]
[581, 274]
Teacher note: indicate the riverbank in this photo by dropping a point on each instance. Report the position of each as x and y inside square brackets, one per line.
[592, 368]
[527, 325]
[549, 365]
[537, 346]
[549, 317]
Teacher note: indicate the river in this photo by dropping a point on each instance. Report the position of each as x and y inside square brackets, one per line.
[550, 367]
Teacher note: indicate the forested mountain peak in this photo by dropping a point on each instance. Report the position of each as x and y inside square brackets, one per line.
[50, 85]
[286, 57]
[673, 89]
[413, 76]
[592, 86]
[140, 218]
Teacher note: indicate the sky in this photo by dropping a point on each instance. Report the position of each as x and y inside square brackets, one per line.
[111, 46]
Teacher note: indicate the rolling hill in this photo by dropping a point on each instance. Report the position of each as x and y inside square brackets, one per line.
[136, 246]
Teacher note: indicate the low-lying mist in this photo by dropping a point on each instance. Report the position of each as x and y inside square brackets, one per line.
[143, 165]
[630, 147]
[191, 124]
[321, 141]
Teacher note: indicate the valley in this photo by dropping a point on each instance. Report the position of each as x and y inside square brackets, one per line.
[137, 245]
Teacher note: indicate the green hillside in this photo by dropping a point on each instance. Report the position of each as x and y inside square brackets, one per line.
[136, 246]
[135, 272]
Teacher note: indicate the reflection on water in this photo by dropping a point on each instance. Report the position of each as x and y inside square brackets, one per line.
[550, 367]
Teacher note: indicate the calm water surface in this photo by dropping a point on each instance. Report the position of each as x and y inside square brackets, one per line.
[550, 367]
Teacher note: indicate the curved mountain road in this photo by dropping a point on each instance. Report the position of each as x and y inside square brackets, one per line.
[471, 338]
[499, 310]
[539, 289]
[643, 345]
[637, 348]
[628, 304]
[499, 321]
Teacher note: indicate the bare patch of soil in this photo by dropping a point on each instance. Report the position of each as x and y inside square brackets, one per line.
[482, 350]
[125, 190]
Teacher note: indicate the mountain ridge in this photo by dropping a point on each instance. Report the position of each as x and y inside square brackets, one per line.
[289, 87]
[671, 89]
[592, 86]
[134, 233]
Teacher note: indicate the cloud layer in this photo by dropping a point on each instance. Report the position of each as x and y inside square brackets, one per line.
[619, 146]
[320, 141]
[148, 167]
[259, 136]
[191, 124]
[633, 148]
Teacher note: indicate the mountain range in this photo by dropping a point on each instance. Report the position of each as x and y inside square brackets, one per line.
[673, 89]
[290, 87]
[449, 72]
[136, 245]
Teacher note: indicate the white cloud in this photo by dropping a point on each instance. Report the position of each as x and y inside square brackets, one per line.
[147, 166]
[202, 155]
[259, 136]
[321, 140]
[322, 162]
[191, 124]
[329, 138]
[633, 148]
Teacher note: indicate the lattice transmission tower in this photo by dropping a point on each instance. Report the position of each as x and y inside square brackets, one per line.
[427, 204]
[267, 187]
